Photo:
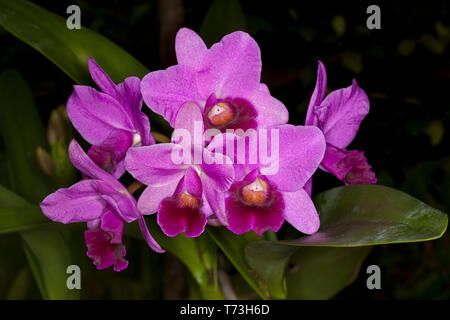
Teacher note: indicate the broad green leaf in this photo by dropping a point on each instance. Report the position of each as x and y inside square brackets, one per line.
[20, 286]
[222, 18]
[320, 273]
[270, 262]
[199, 256]
[49, 256]
[233, 247]
[353, 216]
[68, 49]
[365, 215]
[22, 132]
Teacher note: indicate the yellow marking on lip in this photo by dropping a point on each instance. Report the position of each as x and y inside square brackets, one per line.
[256, 192]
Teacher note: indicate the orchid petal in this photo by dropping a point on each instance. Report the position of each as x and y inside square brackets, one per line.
[165, 91]
[101, 78]
[189, 47]
[190, 119]
[341, 113]
[151, 197]
[270, 110]
[79, 203]
[231, 67]
[300, 212]
[154, 165]
[318, 94]
[95, 115]
[301, 150]
[151, 242]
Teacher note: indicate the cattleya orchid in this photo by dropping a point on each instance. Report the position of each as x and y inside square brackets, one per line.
[339, 116]
[215, 102]
[264, 195]
[224, 81]
[104, 203]
[184, 193]
[111, 120]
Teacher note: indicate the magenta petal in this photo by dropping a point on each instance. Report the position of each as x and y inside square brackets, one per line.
[308, 186]
[82, 162]
[79, 203]
[99, 249]
[111, 152]
[264, 88]
[110, 189]
[190, 48]
[104, 242]
[318, 95]
[349, 166]
[300, 211]
[192, 183]
[270, 110]
[341, 113]
[220, 172]
[103, 252]
[154, 165]
[173, 220]
[112, 225]
[100, 77]
[130, 95]
[95, 114]
[189, 120]
[214, 201]
[151, 242]
[301, 150]
[119, 262]
[131, 98]
[165, 91]
[242, 218]
[151, 197]
[230, 144]
[232, 67]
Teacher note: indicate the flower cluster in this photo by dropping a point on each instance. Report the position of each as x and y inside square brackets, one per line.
[232, 159]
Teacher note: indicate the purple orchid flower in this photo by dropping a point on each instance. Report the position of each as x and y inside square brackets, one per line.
[339, 116]
[111, 120]
[183, 193]
[224, 81]
[261, 198]
[104, 203]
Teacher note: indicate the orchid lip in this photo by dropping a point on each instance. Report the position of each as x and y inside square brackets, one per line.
[255, 193]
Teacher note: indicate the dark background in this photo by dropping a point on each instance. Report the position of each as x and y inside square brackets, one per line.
[404, 68]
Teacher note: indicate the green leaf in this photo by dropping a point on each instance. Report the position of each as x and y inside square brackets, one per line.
[353, 216]
[222, 18]
[68, 49]
[49, 256]
[233, 247]
[320, 273]
[16, 214]
[22, 132]
[20, 286]
[269, 262]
